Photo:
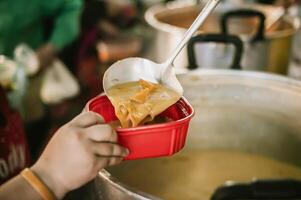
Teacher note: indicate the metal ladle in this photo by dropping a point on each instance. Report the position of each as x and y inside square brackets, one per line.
[133, 69]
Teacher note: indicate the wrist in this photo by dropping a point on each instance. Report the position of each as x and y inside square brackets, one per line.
[46, 54]
[49, 180]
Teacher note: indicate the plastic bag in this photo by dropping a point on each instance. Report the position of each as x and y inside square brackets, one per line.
[27, 59]
[13, 79]
[58, 84]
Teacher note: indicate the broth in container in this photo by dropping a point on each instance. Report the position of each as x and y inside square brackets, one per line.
[139, 102]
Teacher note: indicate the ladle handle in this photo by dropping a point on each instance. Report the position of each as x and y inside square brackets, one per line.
[193, 28]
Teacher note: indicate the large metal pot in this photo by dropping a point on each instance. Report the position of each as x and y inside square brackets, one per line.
[264, 50]
[235, 110]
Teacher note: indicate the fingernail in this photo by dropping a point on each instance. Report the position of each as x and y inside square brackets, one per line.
[127, 151]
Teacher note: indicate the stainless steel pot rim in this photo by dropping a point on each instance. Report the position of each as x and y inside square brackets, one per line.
[168, 28]
[124, 188]
[155, 23]
[238, 75]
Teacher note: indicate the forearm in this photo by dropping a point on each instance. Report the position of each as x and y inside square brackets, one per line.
[67, 24]
[46, 55]
[18, 188]
[33, 184]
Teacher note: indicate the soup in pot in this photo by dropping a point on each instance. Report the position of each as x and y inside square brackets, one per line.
[196, 174]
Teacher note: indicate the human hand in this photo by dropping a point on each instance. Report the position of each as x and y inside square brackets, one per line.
[286, 3]
[77, 152]
[46, 55]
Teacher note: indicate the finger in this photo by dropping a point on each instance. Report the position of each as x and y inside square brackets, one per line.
[108, 161]
[101, 133]
[86, 109]
[114, 161]
[109, 150]
[88, 119]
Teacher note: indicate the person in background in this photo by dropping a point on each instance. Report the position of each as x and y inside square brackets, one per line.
[107, 36]
[23, 21]
[73, 157]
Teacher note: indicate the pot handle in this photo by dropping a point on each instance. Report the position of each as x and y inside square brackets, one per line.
[244, 13]
[262, 189]
[217, 38]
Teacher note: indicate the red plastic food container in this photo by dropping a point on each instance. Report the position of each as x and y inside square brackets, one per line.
[150, 141]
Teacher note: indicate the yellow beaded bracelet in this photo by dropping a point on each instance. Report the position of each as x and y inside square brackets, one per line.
[37, 184]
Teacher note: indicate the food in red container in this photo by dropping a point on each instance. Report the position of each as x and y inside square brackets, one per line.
[159, 132]
[139, 102]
